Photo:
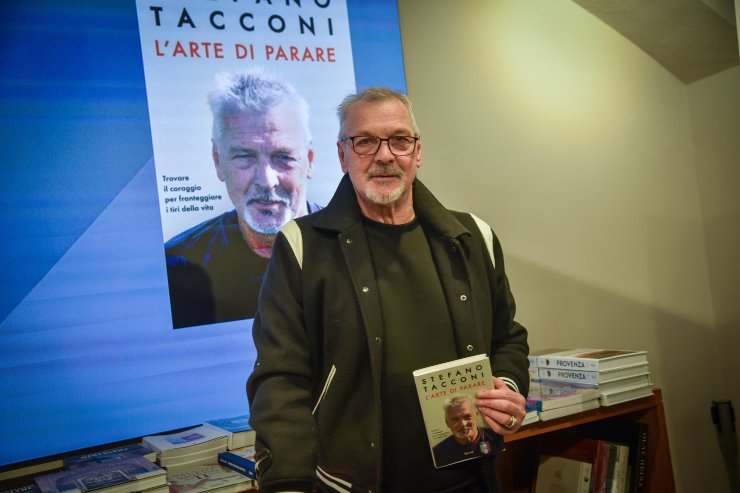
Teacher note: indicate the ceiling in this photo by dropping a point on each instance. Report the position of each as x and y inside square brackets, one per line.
[692, 39]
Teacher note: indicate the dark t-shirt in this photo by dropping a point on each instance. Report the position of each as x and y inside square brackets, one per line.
[417, 333]
[212, 273]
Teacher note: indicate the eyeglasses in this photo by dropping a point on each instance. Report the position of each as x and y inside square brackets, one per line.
[399, 145]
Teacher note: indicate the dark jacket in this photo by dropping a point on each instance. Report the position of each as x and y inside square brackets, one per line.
[319, 337]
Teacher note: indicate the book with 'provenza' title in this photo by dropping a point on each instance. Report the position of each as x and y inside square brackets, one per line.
[455, 429]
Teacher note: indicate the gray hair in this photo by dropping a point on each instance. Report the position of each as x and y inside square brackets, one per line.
[457, 401]
[253, 91]
[372, 95]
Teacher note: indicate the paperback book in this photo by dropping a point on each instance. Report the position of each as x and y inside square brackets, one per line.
[544, 397]
[454, 426]
[237, 428]
[240, 460]
[208, 456]
[559, 412]
[121, 476]
[194, 440]
[617, 397]
[591, 378]
[108, 455]
[591, 359]
[533, 354]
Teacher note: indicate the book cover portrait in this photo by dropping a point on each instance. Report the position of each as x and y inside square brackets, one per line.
[242, 100]
[455, 428]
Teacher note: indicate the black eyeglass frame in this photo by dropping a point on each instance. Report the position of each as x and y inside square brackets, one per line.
[352, 138]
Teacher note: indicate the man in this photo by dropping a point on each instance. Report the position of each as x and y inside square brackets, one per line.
[262, 151]
[381, 282]
[467, 440]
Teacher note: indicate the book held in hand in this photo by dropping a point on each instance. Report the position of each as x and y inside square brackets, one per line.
[455, 428]
[121, 476]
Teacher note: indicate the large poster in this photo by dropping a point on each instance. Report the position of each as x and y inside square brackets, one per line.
[89, 354]
[242, 100]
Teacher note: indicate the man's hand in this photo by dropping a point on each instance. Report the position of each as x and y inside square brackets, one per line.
[502, 408]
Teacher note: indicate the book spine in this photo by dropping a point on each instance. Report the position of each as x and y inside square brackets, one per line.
[611, 463]
[600, 467]
[566, 363]
[586, 378]
[641, 462]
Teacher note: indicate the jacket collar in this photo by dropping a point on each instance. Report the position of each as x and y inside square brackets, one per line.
[343, 211]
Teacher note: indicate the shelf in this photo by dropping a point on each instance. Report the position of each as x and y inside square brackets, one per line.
[517, 466]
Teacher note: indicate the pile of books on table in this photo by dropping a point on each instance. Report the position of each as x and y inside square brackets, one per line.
[182, 462]
[619, 375]
[119, 470]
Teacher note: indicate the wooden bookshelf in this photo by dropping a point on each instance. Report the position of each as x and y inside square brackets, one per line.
[518, 464]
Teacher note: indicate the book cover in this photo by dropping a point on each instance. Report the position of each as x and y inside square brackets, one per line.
[591, 359]
[239, 433]
[186, 442]
[559, 474]
[455, 428]
[213, 478]
[617, 397]
[567, 410]
[543, 396]
[304, 45]
[121, 476]
[107, 455]
[240, 460]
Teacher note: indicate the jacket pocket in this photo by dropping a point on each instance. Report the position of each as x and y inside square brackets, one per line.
[325, 389]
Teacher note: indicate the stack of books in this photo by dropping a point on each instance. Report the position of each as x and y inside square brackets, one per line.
[196, 446]
[125, 475]
[211, 478]
[620, 375]
[558, 400]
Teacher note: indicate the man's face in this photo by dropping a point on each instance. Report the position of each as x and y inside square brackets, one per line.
[462, 422]
[265, 161]
[382, 178]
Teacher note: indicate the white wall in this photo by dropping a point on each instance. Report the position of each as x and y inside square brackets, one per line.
[579, 149]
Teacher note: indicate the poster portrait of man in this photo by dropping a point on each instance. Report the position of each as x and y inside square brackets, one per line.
[263, 153]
